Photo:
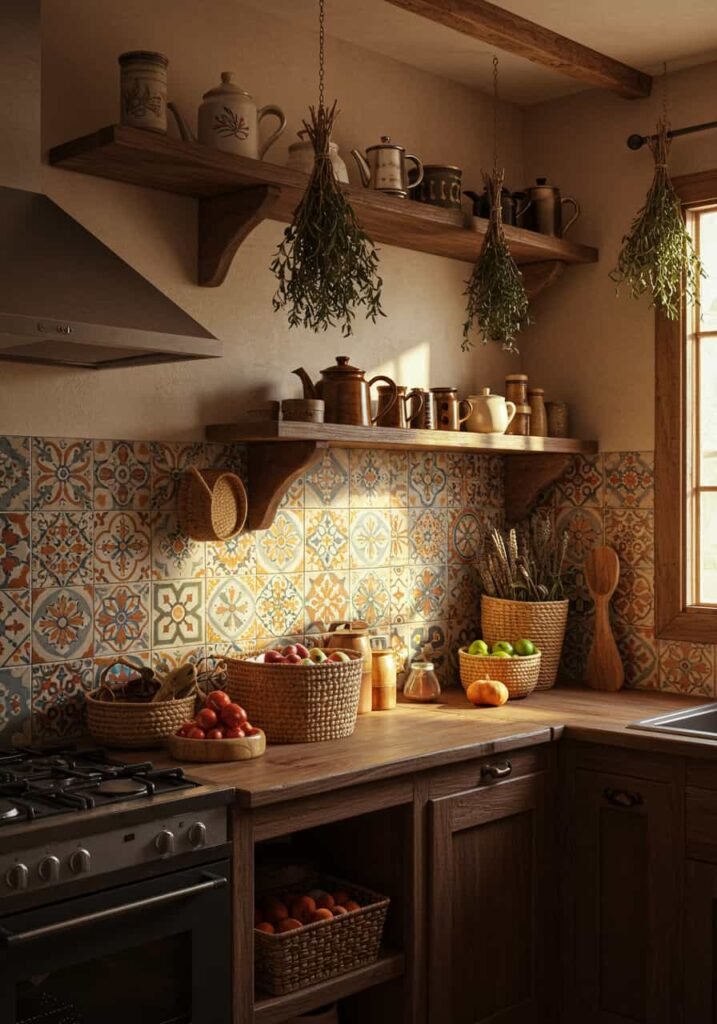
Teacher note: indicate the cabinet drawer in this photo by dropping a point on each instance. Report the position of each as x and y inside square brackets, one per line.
[701, 823]
[622, 761]
[485, 771]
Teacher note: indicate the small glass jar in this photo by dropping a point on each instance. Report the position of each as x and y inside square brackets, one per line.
[422, 683]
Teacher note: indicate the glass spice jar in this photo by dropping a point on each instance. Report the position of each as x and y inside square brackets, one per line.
[422, 683]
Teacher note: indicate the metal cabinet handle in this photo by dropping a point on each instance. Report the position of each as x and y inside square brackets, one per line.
[495, 771]
[622, 797]
[10, 938]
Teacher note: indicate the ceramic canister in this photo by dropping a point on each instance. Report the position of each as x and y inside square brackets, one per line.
[143, 89]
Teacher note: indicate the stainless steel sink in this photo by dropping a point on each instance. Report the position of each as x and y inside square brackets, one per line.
[701, 721]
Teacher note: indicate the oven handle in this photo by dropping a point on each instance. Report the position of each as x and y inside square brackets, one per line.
[10, 938]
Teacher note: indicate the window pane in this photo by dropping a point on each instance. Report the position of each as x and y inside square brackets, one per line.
[708, 411]
[708, 548]
[708, 286]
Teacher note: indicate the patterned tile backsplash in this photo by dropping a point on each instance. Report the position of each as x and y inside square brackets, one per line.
[94, 566]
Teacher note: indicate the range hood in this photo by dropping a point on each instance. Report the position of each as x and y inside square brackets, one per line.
[65, 298]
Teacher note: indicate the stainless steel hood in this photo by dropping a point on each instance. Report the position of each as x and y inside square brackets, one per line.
[65, 298]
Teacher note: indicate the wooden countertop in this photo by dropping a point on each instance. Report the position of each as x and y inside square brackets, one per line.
[418, 737]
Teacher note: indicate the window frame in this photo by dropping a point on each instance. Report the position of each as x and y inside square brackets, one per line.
[674, 618]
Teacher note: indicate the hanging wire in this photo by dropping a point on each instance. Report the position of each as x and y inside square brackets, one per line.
[495, 115]
[665, 96]
[321, 52]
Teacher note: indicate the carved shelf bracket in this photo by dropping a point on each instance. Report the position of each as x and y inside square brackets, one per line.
[224, 222]
[272, 470]
[526, 477]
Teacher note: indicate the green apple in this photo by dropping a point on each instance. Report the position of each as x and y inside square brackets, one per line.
[524, 648]
[478, 647]
[317, 654]
[502, 645]
[307, 661]
[500, 654]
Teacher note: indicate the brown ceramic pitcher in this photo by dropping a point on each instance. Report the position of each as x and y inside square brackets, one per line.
[353, 636]
[395, 412]
[448, 408]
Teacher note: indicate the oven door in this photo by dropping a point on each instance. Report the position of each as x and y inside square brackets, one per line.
[151, 952]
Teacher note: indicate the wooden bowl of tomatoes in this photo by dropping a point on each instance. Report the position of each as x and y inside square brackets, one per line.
[220, 731]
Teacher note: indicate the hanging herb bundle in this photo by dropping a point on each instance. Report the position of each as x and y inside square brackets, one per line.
[497, 300]
[658, 255]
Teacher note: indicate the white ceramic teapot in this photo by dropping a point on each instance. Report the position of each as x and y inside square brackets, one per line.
[229, 120]
[491, 414]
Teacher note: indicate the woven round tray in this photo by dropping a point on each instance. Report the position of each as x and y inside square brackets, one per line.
[520, 675]
[309, 955]
[543, 622]
[298, 703]
[212, 504]
[136, 724]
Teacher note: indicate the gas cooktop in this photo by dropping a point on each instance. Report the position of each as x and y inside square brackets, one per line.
[38, 784]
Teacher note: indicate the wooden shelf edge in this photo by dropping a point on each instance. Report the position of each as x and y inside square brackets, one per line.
[275, 1009]
[150, 160]
[336, 435]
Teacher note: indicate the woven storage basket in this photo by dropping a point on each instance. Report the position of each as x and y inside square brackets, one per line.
[310, 955]
[520, 675]
[543, 622]
[298, 703]
[136, 724]
[212, 504]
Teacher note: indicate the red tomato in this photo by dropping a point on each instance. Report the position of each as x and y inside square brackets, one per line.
[215, 734]
[251, 730]
[217, 699]
[233, 715]
[233, 733]
[206, 719]
[183, 730]
[195, 733]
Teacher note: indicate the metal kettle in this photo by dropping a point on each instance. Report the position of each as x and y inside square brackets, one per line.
[384, 168]
[346, 393]
[547, 209]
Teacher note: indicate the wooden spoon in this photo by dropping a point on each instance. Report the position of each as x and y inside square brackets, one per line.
[604, 669]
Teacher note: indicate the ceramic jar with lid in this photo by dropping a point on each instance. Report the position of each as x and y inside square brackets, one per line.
[229, 119]
[383, 680]
[538, 415]
[143, 89]
[516, 391]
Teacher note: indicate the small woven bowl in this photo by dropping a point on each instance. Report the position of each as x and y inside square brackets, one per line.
[212, 504]
[520, 675]
[136, 724]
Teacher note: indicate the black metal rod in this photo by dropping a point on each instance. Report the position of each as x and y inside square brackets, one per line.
[638, 141]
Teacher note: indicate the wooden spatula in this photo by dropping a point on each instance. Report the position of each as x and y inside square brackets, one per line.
[604, 669]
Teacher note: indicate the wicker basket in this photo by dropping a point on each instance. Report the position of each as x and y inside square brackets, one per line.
[298, 703]
[212, 504]
[520, 675]
[310, 955]
[137, 725]
[543, 622]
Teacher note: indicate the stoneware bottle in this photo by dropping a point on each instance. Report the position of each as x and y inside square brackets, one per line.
[229, 120]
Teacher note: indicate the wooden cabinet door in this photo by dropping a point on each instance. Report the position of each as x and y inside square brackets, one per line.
[488, 868]
[700, 943]
[625, 900]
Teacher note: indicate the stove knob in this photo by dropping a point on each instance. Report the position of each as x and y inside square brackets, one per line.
[197, 834]
[16, 877]
[164, 843]
[49, 869]
[80, 862]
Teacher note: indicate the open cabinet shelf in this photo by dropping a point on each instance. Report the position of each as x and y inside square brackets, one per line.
[275, 1009]
[279, 451]
[236, 193]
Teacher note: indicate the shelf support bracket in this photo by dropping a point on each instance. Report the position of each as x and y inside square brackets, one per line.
[273, 467]
[224, 222]
[526, 477]
[539, 276]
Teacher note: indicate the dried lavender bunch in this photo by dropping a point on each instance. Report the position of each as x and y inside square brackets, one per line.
[497, 300]
[326, 265]
[658, 256]
[525, 565]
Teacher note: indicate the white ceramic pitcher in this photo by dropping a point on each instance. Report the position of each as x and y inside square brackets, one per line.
[491, 414]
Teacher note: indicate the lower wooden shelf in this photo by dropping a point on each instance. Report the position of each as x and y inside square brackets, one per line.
[275, 1009]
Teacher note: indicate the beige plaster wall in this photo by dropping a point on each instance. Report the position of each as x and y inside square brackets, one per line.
[588, 347]
[419, 342]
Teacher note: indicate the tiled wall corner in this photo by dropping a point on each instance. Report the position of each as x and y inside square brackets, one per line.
[94, 565]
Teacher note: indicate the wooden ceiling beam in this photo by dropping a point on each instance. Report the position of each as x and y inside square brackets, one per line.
[510, 32]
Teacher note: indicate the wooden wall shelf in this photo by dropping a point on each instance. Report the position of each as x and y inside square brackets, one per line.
[280, 450]
[236, 193]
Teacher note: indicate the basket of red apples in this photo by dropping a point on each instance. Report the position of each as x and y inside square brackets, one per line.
[220, 731]
[298, 694]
